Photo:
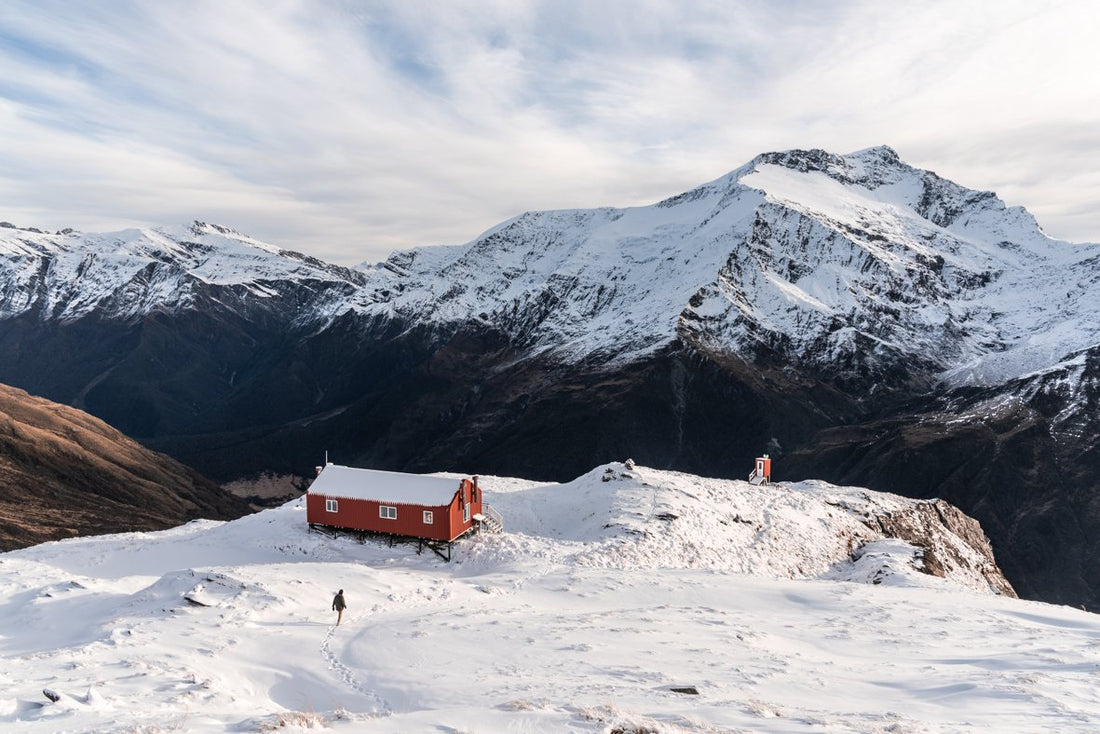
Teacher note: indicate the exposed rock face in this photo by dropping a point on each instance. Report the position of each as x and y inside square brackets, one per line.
[65, 473]
[951, 542]
[268, 490]
[1022, 457]
[867, 322]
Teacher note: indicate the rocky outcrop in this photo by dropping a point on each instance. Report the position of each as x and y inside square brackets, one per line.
[951, 543]
[636, 517]
[1023, 458]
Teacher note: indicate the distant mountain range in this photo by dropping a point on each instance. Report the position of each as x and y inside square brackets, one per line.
[864, 321]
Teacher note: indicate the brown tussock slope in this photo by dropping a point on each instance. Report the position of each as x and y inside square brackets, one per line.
[65, 473]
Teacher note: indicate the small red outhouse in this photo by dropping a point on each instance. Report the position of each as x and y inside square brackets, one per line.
[406, 505]
[762, 471]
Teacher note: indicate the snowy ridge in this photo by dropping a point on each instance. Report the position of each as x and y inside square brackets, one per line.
[227, 626]
[628, 517]
[127, 274]
[853, 265]
[1072, 383]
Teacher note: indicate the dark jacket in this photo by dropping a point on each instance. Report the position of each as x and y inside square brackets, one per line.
[338, 603]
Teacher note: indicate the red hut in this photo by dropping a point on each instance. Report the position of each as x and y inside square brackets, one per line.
[762, 471]
[428, 509]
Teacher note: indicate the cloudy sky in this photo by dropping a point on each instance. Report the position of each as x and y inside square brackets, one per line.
[347, 129]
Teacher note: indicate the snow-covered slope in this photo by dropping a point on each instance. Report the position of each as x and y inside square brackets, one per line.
[851, 265]
[122, 275]
[599, 616]
[627, 517]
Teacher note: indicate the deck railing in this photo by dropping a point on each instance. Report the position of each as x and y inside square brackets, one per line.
[493, 519]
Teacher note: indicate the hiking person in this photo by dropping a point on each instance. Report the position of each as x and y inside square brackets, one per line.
[339, 605]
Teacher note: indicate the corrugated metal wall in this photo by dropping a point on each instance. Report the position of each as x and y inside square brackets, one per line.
[364, 515]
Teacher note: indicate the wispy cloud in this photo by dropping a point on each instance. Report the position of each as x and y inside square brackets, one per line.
[347, 129]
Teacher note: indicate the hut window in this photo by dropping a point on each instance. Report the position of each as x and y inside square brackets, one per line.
[428, 517]
[466, 513]
[332, 506]
[390, 513]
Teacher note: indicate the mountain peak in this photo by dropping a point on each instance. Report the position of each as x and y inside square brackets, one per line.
[803, 160]
[870, 167]
[881, 153]
[200, 228]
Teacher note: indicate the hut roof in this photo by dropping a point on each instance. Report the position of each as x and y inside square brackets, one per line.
[384, 486]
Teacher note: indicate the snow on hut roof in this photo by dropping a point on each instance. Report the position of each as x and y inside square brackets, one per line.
[384, 486]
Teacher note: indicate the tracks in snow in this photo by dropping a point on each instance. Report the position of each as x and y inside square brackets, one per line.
[345, 673]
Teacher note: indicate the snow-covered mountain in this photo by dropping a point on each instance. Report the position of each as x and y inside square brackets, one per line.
[129, 274]
[853, 265]
[670, 603]
[865, 321]
[847, 263]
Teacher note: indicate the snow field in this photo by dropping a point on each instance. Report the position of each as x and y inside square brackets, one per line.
[583, 616]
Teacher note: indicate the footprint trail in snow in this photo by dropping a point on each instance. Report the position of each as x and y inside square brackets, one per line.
[347, 675]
